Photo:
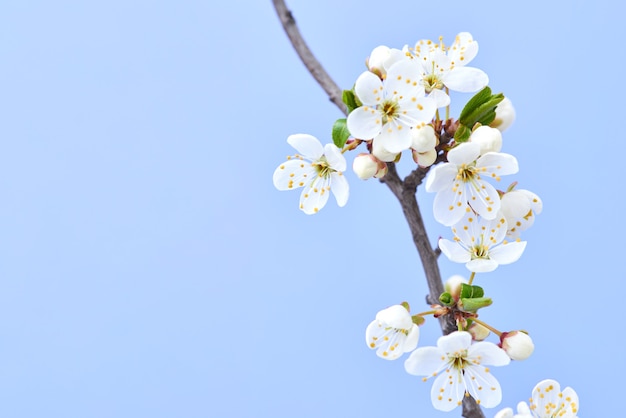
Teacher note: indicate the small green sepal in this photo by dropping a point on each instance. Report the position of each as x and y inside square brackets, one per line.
[418, 320]
[446, 299]
[474, 304]
[406, 306]
[340, 133]
[480, 109]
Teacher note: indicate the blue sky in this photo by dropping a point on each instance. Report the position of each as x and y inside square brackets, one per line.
[148, 267]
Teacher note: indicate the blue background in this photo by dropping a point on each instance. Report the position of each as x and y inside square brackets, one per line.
[148, 267]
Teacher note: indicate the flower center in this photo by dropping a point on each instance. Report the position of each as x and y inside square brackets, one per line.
[467, 173]
[480, 251]
[323, 167]
[390, 110]
[432, 82]
[458, 360]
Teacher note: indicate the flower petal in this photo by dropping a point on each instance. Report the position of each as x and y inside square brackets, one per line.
[339, 187]
[441, 176]
[454, 251]
[334, 157]
[464, 153]
[488, 354]
[315, 195]
[483, 386]
[483, 198]
[369, 88]
[364, 122]
[425, 361]
[455, 342]
[498, 164]
[307, 145]
[481, 265]
[507, 253]
[293, 174]
[449, 206]
[404, 79]
[448, 390]
[466, 79]
[395, 137]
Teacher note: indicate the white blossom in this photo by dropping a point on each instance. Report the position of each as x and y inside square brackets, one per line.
[382, 57]
[318, 169]
[391, 107]
[446, 67]
[547, 401]
[460, 183]
[459, 367]
[520, 207]
[479, 243]
[392, 333]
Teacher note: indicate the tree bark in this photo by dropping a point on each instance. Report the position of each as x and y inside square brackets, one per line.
[404, 190]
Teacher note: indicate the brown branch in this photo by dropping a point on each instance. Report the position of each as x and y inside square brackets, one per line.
[308, 59]
[405, 191]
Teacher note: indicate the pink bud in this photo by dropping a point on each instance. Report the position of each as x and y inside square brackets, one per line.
[517, 344]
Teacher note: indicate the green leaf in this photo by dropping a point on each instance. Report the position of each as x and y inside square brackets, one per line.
[474, 304]
[340, 132]
[350, 99]
[470, 291]
[478, 99]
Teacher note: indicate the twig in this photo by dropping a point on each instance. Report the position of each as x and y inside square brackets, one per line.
[404, 191]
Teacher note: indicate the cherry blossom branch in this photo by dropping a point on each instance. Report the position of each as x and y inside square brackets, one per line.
[404, 190]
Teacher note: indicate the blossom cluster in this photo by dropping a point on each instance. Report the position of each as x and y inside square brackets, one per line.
[394, 108]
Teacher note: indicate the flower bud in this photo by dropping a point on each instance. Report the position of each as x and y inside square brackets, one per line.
[505, 115]
[381, 153]
[479, 332]
[517, 344]
[383, 57]
[453, 285]
[515, 204]
[489, 139]
[423, 138]
[425, 159]
[365, 166]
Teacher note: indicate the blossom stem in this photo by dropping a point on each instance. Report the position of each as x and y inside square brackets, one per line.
[471, 279]
[489, 327]
[426, 313]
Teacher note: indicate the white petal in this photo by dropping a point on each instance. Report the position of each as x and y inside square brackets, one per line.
[441, 176]
[481, 265]
[395, 316]
[423, 138]
[315, 195]
[369, 89]
[456, 341]
[507, 253]
[545, 397]
[488, 354]
[464, 153]
[425, 361]
[448, 390]
[449, 206]
[412, 339]
[293, 174]
[535, 201]
[454, 251]
[466, 79]
[339, 187]
[404, 77]
[334, 157]
[395, 138]
[570, 402]
[463, 50]
[498, 163]
[483, 386]
[307, 145]
[504, 413]
[483, 198]
[440, 98]
[364, 122]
